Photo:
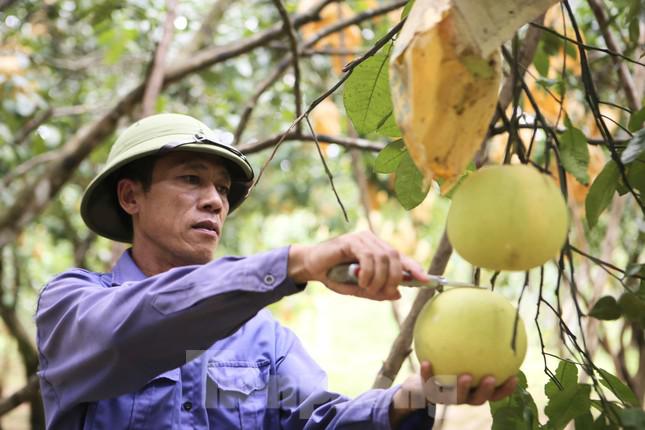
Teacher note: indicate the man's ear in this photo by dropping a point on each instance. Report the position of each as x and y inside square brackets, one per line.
[129, 193]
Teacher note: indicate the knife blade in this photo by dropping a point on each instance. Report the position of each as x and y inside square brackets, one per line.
[348, 274]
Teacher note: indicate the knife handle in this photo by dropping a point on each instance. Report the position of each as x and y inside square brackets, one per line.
[348, 274]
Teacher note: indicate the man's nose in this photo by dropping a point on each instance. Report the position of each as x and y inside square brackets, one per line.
[211, 200]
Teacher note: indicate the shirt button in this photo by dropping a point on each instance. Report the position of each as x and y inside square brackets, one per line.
[187, 406]
[269, 279]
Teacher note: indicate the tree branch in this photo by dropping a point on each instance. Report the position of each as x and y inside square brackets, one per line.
[623, 73]
[579, 44]
[293, 45]
[30, 199]
[282, 66]
[401, 347]
[207, 28]
[347, 142]
[24, 394]
[153, 87]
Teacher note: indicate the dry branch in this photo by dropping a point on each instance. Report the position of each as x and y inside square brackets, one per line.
[401, 347]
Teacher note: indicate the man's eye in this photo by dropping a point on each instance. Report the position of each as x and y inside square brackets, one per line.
[223, 190]
[191, 179]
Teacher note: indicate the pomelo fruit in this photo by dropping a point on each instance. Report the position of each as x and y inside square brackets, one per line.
[470, 330]
[508, 217]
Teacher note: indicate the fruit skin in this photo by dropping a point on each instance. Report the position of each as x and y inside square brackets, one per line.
[509, 217]
[443, 99]
[470, 330]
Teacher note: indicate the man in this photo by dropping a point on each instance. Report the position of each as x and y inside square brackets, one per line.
[172, 340]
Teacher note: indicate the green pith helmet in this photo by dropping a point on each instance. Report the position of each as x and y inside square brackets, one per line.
[153, 135]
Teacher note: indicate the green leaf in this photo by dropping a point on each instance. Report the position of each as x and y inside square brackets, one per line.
[571, 49]
[635, 147]
[632, 306]
[389, 158]
[636, 120]
[406, 9]
[584, 421]
[541, 61]
[609, 412]
[574, 152]
[636, 174]
[618, 387]
[550, 43]
[409, 184]
[633, 418]
[567, 405]
[115, 40]
[517, 411]
[606, 308]
[569, 401]
[604, 423]
[566, 374]
[367, 98]
[601, 192]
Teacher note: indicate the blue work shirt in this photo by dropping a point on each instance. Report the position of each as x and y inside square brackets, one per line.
[190, 348]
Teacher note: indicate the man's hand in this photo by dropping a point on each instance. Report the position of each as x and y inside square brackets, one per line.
[381, 265]
[414, 394]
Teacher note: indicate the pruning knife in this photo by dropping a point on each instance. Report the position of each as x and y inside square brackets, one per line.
[348, 274]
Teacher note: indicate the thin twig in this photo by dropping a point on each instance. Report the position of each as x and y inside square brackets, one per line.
[593, 141]
[623, 73]
[348, 71]
[32, 125]
[293, 45]
[283, 65]
[591, 96]
[587, 47]
[253, 100]
[327, 171]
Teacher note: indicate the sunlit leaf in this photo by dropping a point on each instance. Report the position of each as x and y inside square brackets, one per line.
[574, 152]
[389, 158]
[636, 120]
[601, 192]
[409, 184]
[367, 98]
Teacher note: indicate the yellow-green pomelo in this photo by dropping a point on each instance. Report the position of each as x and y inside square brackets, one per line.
[509, 217]
[470, 330]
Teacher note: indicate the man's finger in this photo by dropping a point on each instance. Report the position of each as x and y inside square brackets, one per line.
[505, 390]
[463, 387]
[483, 392]
[366, 274]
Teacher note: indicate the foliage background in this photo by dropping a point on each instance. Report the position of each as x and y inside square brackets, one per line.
[63, 64]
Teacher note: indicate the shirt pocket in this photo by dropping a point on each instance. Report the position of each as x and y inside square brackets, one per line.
[237, 393]
[156, 405]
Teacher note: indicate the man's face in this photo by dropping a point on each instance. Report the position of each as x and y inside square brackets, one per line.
[180, 218]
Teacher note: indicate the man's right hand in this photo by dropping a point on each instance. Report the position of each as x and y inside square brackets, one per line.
[381, 265]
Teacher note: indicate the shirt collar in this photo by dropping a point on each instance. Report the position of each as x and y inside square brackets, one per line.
[126, 269]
